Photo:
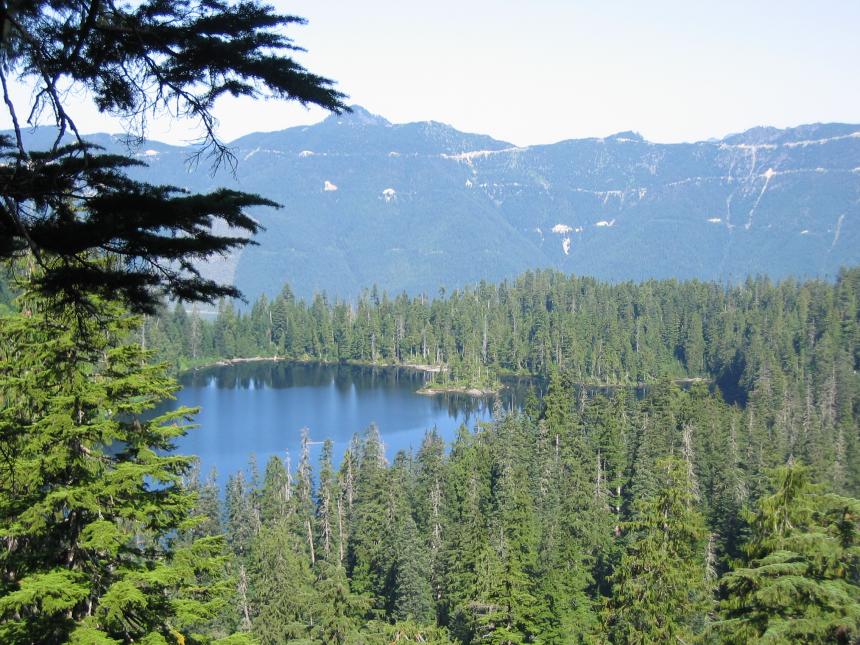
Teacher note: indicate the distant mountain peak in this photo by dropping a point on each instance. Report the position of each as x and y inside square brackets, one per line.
[627, 135]
[358, 116]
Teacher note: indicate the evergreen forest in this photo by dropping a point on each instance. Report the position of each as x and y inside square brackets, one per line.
[720, 505]
[793, 339]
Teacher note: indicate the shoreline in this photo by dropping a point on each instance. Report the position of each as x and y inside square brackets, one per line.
[226, 362]
[430, 369]
[475, 392]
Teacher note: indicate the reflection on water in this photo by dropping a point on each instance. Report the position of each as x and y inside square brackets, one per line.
[260, 408]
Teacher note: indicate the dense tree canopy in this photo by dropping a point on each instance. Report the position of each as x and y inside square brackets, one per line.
[594, 514]
[620, 516]
[106, 537]
[511, 536]
[91, 499]
[800, 580]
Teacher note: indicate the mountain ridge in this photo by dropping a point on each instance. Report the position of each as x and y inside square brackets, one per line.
[419, 206]
[756, 135]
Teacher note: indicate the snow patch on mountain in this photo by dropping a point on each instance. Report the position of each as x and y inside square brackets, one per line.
[561, 229]
[604, 224]
[627, 136]
[329, 187]
[150, 153]
[838, 229]
[565, 245]
[818, 142]
[768, 174]
[469, 157]
[389, 194]
[307, 153]
[748, 146]
[698, 180]
[715, 220]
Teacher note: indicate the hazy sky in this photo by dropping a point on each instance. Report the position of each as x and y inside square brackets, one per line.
[545, 70]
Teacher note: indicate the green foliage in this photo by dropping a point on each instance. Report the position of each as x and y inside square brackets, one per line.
[790, 349]
[531, 523]
[153, 59]
[405, 632]
[659, 590]
[367, 561]
[281, 585]
[412, 593]
[336, 609]
[800, 581]
[518, 534]
[241, 516]
[205, 518]
[90, 494]
[408, 589]
[276, 496]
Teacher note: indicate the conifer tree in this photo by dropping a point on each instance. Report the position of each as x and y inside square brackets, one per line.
[91, 496]
[579, 530]
[659, 591]
[465, 535]
[336, 611]
[328, 520]
[281, 586]
[405, 632]
[604, 421]
[276, 496]
[564, 609]
[800, 581]
[412, 593]
[506, 605]
[655, 438]
[558, 402]
[140, 61]
[304, 503]
[366, 554]
[239, 514]
[207, 509]
[428, 505]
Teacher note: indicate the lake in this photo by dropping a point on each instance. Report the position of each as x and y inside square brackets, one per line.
[261, 407]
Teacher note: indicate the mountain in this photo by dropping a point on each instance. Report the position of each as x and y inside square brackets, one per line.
[419, 206]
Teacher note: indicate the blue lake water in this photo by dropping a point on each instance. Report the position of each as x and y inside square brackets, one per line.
[261, 408]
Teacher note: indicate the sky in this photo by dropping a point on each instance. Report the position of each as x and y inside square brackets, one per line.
[547, 70]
